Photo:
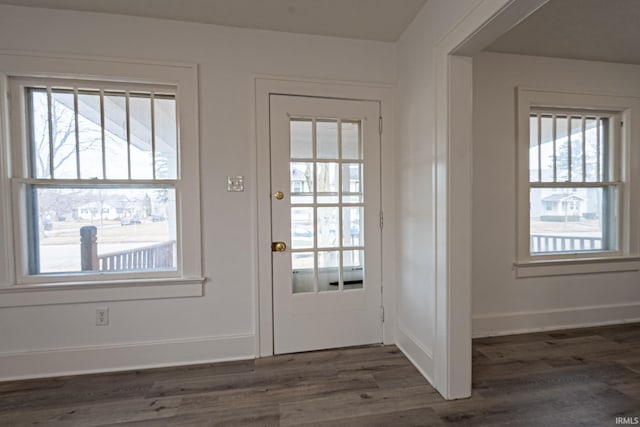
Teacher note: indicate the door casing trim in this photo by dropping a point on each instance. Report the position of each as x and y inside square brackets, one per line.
[452, 57]
[264, 86]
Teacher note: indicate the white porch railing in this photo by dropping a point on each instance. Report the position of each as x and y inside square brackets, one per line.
[150, 257]
[561, 243]
[159, 255]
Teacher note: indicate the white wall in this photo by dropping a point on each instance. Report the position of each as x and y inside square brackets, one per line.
[503, 303]
[415, 170]
[220, 325]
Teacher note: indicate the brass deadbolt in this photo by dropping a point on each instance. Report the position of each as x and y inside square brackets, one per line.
[278, 246]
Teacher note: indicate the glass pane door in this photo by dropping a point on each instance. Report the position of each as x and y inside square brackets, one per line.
[327, 204]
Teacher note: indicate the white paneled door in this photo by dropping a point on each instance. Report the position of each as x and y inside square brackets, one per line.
[326, 222]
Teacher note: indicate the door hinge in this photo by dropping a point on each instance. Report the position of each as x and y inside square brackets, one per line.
[380, 124]
[381, 220]
[382, 314]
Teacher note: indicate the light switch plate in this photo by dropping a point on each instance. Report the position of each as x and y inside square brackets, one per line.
[235, 183]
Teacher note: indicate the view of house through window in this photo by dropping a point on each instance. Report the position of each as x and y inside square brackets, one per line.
[573, 192]
[101, 192]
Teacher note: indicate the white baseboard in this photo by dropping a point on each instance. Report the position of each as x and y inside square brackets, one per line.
[494, 324]
[94, 359]
[417, 353]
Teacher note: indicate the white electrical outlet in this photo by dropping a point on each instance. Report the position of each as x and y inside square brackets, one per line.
[102, 317]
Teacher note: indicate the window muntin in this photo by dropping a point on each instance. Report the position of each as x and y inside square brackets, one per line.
[103, 159]
[573, 182]
[79, 133]
[327, 204]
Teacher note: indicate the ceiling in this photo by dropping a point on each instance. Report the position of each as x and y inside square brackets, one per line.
[597, 30]
[381, 20]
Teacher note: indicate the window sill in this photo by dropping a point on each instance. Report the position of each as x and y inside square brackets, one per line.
[86, 292]
[578, 266]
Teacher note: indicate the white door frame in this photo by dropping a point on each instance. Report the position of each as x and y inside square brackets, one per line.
[454, 190]
[264, 86]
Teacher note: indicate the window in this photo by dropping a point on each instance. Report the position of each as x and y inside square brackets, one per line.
[573, 182]
[93, 172]
[577, 206]
[98, 186]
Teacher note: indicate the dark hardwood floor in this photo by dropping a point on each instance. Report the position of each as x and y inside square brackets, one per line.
[578, 377]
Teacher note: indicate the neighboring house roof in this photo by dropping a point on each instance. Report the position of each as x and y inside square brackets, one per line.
[563, 197]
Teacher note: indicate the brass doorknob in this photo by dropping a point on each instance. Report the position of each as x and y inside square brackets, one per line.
[278, 246]
[279, 195]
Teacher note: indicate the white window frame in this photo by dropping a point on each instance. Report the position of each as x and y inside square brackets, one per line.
[16, 288]
[627, 255]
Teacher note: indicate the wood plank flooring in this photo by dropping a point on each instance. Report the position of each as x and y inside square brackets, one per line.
[578, 377]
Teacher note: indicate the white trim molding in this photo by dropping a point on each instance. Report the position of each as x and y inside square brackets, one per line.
[16, 290]
[415, 351]
[125, 290]
[58, 362]
[453, 186]
[626, 175]
[522, 322]
[578, 266]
